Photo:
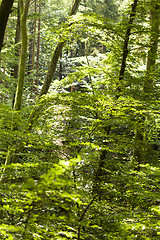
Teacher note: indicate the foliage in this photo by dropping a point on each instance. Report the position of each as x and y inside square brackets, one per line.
[88, 168]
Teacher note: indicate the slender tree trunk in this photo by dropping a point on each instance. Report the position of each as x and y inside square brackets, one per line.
[32, 41]
[17, 47]
[102, 161]
[30, 60]
[21, 75]
[125, 47]
[18, 98]
[153, 46]
[34, 38]
[38, 47]
[30, 67]
[5, 10]
[17, 50]
[56, 55]
[83, 215]
[83, 48]
[60, 67]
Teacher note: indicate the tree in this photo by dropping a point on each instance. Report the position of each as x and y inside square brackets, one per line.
[24, 6]
[148, 84]
[17, 47]
[5, 10]
[56, 55]
[153, 46]
[38, 44]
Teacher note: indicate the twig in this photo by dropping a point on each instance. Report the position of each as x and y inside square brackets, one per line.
[83, 214]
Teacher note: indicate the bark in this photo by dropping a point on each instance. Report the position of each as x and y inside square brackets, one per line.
[153, 46]
[17, 51]
[56, 55]
[52, 68]
[17, 47]
[21, 75]
[30, 61]
[32, 41]
[38, 47]
[74, 7]
[60, 67]
[125, 46]
[83, 215]
[5, 10]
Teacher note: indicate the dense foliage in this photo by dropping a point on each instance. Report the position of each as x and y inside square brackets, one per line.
[82, 160]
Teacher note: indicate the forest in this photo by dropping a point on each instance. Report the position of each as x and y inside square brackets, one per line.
[79, 119]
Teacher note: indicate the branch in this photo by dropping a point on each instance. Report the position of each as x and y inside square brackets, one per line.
[83, 215]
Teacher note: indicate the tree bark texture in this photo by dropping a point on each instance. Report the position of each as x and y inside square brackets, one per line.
[38, 47]
[5, 10]
[153, 46]
[21, 75]
[30, 57]
[32, 43]
[34, 39]
[17, 47]
[60, 67]
[125, 46]
[52, 68]
[56, 55]
[83, 215]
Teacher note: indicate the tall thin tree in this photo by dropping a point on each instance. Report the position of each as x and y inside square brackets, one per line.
[24, 7]
[38, 45]
[56, 55]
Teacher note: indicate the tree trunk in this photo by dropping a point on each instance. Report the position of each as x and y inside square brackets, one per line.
[38, 48]
[5, 10]
[32, 41]
[17, 51]
[21, 75]
[101, 165]
[56, 55]
[125, 47]
[153, 46]
[60, 67]
[17, 47]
